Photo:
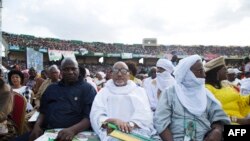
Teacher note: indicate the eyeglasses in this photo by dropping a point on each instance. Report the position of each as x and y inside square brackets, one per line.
[122, 70]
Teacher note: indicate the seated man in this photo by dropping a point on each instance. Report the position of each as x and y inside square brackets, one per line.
[53, 77]
[164, 78]
[65, 104]
[149, 84]
[123, 103]
[34, 81]
[187, 110]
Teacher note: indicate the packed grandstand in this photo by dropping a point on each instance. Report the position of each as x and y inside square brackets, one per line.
[88, 53]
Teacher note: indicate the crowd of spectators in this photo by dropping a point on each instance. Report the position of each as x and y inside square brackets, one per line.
[24, 41]
[93, 68]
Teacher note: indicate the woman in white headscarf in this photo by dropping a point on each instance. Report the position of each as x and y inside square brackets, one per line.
[187, 110]
[164, 79]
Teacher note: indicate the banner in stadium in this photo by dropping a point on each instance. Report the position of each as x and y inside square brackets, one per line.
[76, 52]
[136, 55]
[43, 50]
[165, 55]
[126, 55]
[83, 51]
[69, 54]
[14, 47]
[34, 59]
[232, 56]
[55, 55]
[98, 54]
[143, 56]
[150, 56]
[113, 55]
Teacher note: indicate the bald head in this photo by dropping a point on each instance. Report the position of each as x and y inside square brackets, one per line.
[70, 70]
[120, 63]
[68, 60]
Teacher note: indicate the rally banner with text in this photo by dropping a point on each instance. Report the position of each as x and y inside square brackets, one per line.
[34, 59]
[55, 55]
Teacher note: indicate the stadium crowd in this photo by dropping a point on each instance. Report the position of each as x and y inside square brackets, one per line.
[73, 45]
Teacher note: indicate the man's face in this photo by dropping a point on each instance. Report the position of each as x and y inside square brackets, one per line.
[222, 73]
[54, 74]
[32, 73]
[70, 71]
[174, 58]
[198, 70]
[108, 74]
[44, 75]
[153, 73]
[120, 74]
[231, 77]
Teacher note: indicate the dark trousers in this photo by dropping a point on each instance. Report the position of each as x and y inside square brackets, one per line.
[23, 137]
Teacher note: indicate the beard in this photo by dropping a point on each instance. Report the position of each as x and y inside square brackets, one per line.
[120, 84]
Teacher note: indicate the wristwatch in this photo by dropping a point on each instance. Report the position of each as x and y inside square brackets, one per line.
[104, 124]
[131, 124]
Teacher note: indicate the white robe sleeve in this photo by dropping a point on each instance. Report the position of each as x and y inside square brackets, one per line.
[98, 112]
[142, 116]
